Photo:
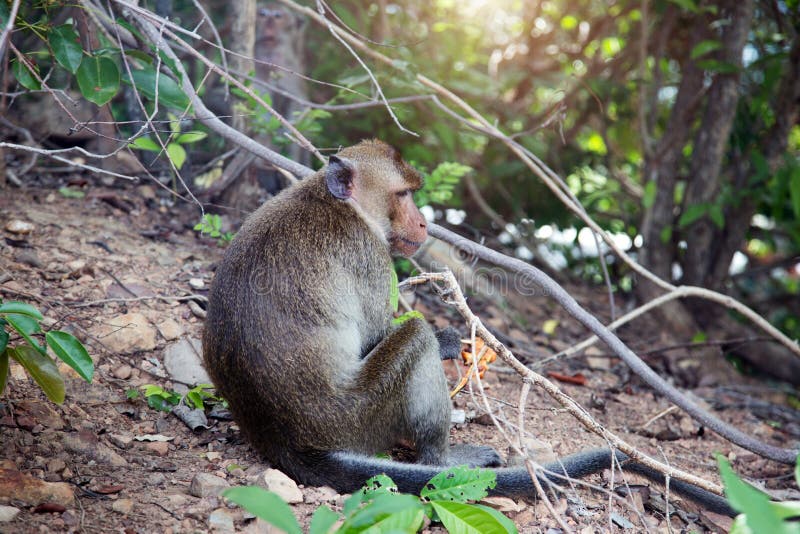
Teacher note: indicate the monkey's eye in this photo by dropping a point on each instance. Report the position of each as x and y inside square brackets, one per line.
[404, 193]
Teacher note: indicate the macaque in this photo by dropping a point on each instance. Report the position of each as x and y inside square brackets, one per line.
[299, 338]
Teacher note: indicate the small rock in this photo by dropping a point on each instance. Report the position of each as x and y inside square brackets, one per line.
[32, 491]
[197, 283]
[458, 417]
[170, 329]
[123, 372]
[221, 520]
[123, 506]
[278, 482]
[16, 226]
[320, 495]
[123, 442]
[206, 485]
[127, 333]
[183, 362]
[177, 500]
[8, 513]
[161, 448]
[156, 479]
[213, 456]
[76, 265]
[86, 444]
[28, 257]
[540, 451]
[56, 465]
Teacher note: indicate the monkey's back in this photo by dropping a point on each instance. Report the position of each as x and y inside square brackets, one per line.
[304, 269]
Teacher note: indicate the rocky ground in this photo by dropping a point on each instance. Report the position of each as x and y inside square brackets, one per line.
[118, 268]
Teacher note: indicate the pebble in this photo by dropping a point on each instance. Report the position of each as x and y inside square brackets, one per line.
[127, 333]
[123, 372]
[32, 491]
[221, 520]
[122, 506]
[16, 226]
[276, 481]
[8, 513]
[161, 448]
[206, 485]
[182, 362]
[197, 283]
[170, 329]
[121, 441]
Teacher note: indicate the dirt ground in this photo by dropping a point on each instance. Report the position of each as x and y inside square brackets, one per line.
[90, 261]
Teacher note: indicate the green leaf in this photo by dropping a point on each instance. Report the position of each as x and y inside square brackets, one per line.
[408, 509]
[460, 518]
[24, 75]
[722, 67]
[72, 352]
[794, 191]
[322, 520]
[266, 505]
[98, 79]
[145, 143]
[394, 291]
[686, 5]
[3, 364]
[195, 399]
[692, 213]
[190, 137]
[649, 197]
[66, 47]
[459, 484]
[507, 523]
[42, 369]
[26, 326]
[71, 192]
[177, 154]
[20, 308]
[704, 47]
[169, 93]
[3, 341]
[748, 500]
[407, 521]
[717, 216]
[413, 314]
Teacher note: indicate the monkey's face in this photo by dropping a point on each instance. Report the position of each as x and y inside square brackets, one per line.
[374, 177]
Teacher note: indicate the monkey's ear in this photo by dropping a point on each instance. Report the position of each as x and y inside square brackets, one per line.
[339, 177]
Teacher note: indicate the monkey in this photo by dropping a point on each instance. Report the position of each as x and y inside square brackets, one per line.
[299, 339]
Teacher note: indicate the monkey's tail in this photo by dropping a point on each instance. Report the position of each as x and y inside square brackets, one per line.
[350, 470]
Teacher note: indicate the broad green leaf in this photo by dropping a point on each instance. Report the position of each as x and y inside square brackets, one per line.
[459, 484]
[21, 308]
[26, 326]
[190, 137]
[394, 291]
[691, 214]
[72, 352]
[24, 75]
[748, 500]
[3, 364]
[322, 520]
[266, 505]
[723, 67]
[704, 47]
[98, 79]
[177, 154]
[42, 369]
[406, 521]
[506, 522]
[649, 197]
[3, 340]
[717, 216]
[460, 518]
[169, 93]
[794, 191]
[195, 399]
[145, 143]
[687, 5]
[66, 47]
[380, 508]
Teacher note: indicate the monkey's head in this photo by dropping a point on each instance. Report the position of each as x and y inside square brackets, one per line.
[374, 177]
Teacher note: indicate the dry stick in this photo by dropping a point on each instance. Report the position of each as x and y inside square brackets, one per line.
[203, 114]
[456, 298]
[787, 456]
[678, 293]
[12, 16]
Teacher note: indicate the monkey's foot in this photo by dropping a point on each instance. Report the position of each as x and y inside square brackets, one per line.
[474, 456]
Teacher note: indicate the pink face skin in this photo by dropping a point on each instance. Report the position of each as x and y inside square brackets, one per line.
[409, 227]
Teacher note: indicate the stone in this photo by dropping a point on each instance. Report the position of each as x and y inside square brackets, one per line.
[197, 283]
[183, 362]
[123, 372]
[86, 444]
[8, 513]
[221, 520]
[126, 334]
[170, 329]
[161, 448]
[16, 226]
[122, 506]
[540, 451]
[276, 481]
[56, 465]
[33, 491]
[207, 485]
[121, 441]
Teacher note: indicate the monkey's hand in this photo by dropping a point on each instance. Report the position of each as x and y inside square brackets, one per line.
[449, 343]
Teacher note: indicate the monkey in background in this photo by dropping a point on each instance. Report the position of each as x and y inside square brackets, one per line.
[299, 338]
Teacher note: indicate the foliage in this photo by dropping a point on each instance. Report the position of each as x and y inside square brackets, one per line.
[173, 146]
[378, 507]
[440, 184]
[25, 320]
[211, 224]
[162, 399]
[758, 512]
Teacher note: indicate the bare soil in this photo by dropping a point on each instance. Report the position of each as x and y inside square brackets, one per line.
[129, 244]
